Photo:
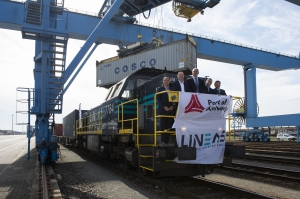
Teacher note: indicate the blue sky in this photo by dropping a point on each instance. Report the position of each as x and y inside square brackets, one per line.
[268, 24]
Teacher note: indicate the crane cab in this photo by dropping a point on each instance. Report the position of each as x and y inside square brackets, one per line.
[188, 9]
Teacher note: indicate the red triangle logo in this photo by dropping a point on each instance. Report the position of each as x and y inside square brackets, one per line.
[194, 105]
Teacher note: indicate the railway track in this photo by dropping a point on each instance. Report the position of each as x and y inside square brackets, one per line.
[178, 185]
[48, 187]
[44, 183]
[274, 159]
[277, 144]
[282, 174]
[278, 148]
[273, 152]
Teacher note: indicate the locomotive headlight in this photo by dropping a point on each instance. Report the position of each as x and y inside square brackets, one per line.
[183, 128]
[220, 129]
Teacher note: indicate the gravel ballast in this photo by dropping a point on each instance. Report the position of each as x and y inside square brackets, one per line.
[80, 177]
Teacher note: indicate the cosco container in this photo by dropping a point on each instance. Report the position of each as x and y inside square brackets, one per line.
[69, 123]
[175, 56]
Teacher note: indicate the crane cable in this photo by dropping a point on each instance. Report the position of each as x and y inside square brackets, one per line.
[148, 14]
[159, 20]
[140, 23]
[122, 35]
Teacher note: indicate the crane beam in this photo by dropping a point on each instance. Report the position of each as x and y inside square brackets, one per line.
[283, 120]
[297, 2]
[12, 14]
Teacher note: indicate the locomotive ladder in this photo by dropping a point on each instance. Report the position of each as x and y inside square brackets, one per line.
[144, 142]
[147, 149]
[147, 144]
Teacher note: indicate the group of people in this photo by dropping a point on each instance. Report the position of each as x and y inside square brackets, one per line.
[193, 84]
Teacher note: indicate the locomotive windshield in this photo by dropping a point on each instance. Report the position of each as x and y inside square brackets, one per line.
[127, 93]
[129, 85]
[114, 90]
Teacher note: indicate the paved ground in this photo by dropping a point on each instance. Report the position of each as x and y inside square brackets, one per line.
[82, 178]
[16, 173]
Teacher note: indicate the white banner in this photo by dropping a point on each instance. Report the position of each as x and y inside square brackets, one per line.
[201, 122]
[80, 117]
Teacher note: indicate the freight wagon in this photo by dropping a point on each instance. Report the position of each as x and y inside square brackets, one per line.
[58, 130]
[69, 122]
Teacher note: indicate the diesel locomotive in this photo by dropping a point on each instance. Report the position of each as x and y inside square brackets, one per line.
[125, 129]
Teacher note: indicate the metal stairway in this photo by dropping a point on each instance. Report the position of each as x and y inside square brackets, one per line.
[46, 22]
[56, 75]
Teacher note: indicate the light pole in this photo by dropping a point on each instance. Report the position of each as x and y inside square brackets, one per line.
[12, 123]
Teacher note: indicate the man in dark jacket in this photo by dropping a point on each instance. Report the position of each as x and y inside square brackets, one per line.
[217, 88]
[208, 89]
[196, 84]
[180, 84]
[165, 108]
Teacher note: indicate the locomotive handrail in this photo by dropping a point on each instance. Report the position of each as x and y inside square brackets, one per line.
[85, 128]
[173, 97]
[121, 131]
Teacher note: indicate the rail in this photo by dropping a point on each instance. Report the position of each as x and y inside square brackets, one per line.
[283, 174]
[44, 183]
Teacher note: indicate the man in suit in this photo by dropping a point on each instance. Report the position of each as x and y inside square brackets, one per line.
[208, 89]
[165, 108]
[217, 88]
[196, 84]
[180, 84]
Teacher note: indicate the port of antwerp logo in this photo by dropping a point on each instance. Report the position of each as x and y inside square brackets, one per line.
[194, 105]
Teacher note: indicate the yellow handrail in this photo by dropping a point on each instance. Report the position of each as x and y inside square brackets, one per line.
[231, 118]
[121, 131]
[94, 126]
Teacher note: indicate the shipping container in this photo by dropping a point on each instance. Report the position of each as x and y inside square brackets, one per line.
[176, 56]
[58, 130]
[69, 123]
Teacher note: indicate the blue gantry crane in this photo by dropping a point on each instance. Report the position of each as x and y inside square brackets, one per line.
[51, 25]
